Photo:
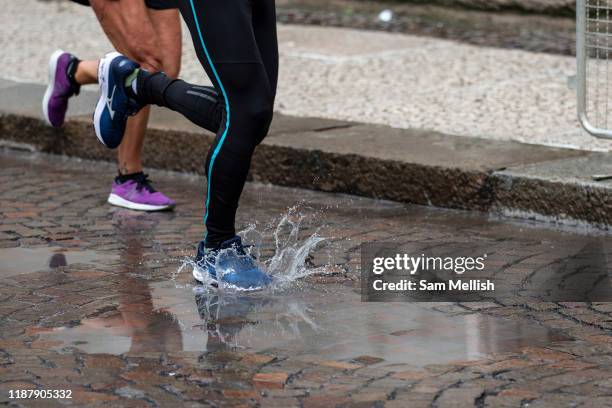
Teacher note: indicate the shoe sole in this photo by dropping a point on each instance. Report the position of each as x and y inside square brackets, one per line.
[117, 201]
[51, 86]
[101, 105]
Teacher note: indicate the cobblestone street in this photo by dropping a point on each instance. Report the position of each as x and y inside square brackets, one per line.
[92, 302]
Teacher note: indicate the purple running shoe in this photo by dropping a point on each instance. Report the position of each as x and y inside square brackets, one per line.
[137, 193]
[59, 89]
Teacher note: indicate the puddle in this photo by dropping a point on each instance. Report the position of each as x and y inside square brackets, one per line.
[329, 322]
[20, 260]
[293, 317]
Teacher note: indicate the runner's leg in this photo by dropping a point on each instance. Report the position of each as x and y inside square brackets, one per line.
[87, 72]
[224, 38]
[129, 27]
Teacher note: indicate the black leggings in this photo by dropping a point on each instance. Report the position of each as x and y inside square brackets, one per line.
[236, 43]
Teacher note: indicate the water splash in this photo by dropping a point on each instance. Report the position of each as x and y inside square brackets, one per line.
[287, 264]
[289, 260]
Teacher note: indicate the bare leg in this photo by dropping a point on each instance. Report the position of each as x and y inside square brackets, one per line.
[87, 72]
[168, 29]
[129, 153]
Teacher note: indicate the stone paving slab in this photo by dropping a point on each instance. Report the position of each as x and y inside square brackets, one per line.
[407, 165]
[578, 169]
[25, 98]
[53, 203]
[421, 147]
[168, 120]
[545, 188]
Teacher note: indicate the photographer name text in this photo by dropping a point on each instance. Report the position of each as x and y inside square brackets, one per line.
[458, 285]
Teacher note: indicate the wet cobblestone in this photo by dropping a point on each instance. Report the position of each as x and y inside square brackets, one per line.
[51, 204]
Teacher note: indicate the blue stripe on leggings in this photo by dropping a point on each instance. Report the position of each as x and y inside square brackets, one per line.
[227, 111]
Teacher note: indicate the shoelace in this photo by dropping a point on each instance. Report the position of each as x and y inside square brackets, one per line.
[143, 182]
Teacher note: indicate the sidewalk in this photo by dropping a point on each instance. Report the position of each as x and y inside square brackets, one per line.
[397, 80]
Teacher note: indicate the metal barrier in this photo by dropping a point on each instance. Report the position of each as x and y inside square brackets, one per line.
[593, 50]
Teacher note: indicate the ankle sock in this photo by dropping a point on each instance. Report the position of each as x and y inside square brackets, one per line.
[131, 83]
[151, 87]
[71, 70]
[122, 178]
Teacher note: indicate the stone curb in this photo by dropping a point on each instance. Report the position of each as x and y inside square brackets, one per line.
[522, 191]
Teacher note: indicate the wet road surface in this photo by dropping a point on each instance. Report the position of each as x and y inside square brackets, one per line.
[94, 300]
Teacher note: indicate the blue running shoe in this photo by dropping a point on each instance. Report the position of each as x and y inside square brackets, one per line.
[114, 105]
[231, 264]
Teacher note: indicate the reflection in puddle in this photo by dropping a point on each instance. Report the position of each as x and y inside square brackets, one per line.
[333, 323]
[330, 322]
[20, 260]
